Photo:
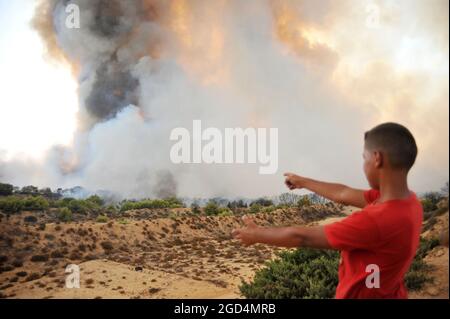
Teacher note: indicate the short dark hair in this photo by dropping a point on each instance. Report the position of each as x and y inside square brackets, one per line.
[395, 141]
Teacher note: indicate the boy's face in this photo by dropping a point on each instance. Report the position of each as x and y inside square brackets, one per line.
[372, 163]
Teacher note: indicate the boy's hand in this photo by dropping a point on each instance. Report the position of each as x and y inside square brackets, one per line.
[293, 181]
[246, 235]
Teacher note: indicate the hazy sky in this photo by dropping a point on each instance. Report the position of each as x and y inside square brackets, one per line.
[323, 72]
[38, 100]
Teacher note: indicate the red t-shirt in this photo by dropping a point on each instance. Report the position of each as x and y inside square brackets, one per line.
[385, 234]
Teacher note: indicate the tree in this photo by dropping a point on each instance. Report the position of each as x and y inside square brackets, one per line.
[288, 199]
[95, 199]
[304, 201]
[430, 201]
[264, 202]
[195, 208]
[6, 189]
[212, 209]
[30, 190]
[444, 190]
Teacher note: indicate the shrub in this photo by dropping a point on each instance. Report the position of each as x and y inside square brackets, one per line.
[14, 204]
[262, 202]
[307, 273]
[195, 208]
[427, 205]
[80, 206]
[39, 258]
[107, 245]
[151, 204]
[268, 209]
[303, 273]
[123, 221]
[96, 200]
[430, 201]
[237, 204]
[65, 214]
[224, 212]
[419, 272]
[175, 202]
[35, 203]
[304, 201]
[102, 219]
[11, 204]
[212, 209]
[255, 208]
[288, 199]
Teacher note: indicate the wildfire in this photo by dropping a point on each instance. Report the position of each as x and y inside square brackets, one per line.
[200, 39]
[305, 41]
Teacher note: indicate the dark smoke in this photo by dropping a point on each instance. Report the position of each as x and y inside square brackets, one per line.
[114, 89]
[107, 26]
[165, 186]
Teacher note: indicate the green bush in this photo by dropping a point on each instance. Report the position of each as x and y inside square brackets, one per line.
[212, 209]
[36, 203]
[102, 219]
[11, 204]
[15, 204]
[428, 205]
[95, 200]
[430, 200]
[265, 202]
[255, 208]
[80, 206]
[123, 221]
[304, 201]
[224, 212]
[65, 214]
[419, 272]
[195, 209]
[303, 273]
[174, 202]
[308, 273]
[269, 209]
[151, 204]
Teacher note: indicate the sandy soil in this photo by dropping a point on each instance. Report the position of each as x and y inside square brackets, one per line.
[177, 257]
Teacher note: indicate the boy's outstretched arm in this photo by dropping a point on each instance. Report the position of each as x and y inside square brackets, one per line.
[290, 237]
[336, 192]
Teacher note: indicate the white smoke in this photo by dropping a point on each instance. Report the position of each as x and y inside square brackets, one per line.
[314, 70]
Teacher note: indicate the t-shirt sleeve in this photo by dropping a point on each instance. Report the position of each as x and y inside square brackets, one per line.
[371, 195]
[357, 231]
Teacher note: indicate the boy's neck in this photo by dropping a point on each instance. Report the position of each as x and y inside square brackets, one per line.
[394, 185]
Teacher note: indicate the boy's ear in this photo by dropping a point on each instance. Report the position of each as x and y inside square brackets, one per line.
[378, 159]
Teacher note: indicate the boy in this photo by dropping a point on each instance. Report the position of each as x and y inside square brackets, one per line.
[385, 233]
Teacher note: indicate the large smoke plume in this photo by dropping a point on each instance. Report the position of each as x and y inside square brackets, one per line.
[317, 71]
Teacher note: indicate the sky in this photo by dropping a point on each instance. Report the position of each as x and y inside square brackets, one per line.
[39, 98]
[322, 72]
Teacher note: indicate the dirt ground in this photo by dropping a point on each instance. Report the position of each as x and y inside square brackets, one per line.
[178, 257]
